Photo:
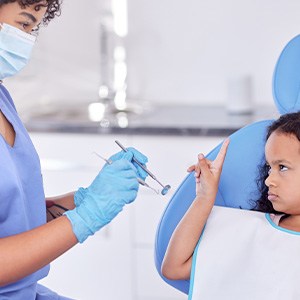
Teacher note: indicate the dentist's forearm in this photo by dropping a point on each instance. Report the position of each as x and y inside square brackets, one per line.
[25, 253]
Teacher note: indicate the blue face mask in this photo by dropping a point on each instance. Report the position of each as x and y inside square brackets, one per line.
[15, 50]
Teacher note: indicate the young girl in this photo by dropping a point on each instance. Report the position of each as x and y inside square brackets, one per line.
[265, 263]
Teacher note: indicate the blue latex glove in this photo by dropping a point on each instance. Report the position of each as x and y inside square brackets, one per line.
[80, 194]
[115, 186]
[139, 156]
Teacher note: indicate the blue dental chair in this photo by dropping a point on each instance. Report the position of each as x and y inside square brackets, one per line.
[246, 151]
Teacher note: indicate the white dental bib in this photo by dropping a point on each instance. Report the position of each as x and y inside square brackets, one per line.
[243, 255]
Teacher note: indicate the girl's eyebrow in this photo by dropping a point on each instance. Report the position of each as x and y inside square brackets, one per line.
[280, 161]
[28, 16]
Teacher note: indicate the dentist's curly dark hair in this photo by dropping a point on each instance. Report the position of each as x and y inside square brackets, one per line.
[288, 124]
[53, 7]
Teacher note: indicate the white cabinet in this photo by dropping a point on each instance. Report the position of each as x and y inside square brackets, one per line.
[118, 262]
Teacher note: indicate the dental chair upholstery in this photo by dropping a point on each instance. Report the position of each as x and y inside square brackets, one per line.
[246, 151]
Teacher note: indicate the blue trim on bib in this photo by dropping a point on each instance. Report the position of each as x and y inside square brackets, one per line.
[268, 217]
[194, 266]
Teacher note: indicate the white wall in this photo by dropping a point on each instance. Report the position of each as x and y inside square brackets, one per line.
[65, 62]
[187, 50]
[178, 51]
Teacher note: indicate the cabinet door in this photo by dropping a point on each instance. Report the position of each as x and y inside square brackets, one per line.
[94, 269]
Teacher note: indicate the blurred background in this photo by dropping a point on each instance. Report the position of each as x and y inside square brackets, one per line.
[175, 52]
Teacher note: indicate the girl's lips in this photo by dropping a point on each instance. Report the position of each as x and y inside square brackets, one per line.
[272, 197]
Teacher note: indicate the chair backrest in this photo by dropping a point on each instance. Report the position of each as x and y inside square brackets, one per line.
[246, 152]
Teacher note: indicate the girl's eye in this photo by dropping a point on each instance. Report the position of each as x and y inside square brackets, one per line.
[268, 168]
[283, 168]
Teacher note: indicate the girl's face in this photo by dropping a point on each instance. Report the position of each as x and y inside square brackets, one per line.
[25, 19]
[283, 157]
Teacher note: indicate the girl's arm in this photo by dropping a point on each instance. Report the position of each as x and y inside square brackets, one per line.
[178, 258]
[25, 253]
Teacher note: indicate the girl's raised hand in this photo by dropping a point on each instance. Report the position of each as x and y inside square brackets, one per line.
[210, 172]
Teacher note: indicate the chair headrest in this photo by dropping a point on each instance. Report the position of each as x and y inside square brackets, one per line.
[286, 78]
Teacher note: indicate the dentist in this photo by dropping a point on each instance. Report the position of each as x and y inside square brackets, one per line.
[28, 243]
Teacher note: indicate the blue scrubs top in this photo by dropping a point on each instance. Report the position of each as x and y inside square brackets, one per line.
[22, 199]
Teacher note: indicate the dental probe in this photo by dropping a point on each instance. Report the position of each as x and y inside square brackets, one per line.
[165, 189]
[106, 160]
[140, 181]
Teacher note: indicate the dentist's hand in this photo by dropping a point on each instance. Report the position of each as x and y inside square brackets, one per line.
[115, 186]
[138, 155]
[208, 173]
[80, 194]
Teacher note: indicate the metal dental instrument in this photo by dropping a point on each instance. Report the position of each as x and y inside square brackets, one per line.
[142, 182]
[165, 189]
[106, 160]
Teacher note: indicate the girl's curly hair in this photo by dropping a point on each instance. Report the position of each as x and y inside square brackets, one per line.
[53, 7]
[287, 124]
